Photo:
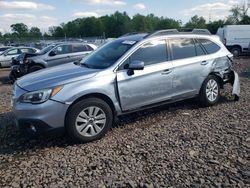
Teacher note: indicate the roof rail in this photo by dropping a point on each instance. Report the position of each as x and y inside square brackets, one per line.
[131, 33]
[175, 31]
[201, 31]
[162, 32]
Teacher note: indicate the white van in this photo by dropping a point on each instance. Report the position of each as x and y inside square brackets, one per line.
[236, 38]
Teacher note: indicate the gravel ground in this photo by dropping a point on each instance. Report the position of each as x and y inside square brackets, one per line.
[180, 145]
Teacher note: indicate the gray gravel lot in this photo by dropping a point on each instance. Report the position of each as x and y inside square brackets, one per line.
[180, 145]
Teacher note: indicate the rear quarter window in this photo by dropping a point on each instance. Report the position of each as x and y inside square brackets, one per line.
[209, 46]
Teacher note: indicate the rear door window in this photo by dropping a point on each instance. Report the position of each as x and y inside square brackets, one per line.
[182, 48]
[25, 50]
[79, 48]
[210, 46]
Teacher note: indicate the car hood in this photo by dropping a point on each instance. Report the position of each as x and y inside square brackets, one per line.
[58, 75]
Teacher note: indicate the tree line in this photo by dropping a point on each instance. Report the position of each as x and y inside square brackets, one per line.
[119, 23]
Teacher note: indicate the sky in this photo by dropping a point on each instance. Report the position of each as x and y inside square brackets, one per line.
[46, 13]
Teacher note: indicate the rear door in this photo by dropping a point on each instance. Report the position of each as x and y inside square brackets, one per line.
[148, 86]
[189, 60]
[63, 54]
[79, 51]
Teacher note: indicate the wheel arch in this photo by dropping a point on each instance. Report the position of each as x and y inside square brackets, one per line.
[101, 96]
[220, 79]
[36, 64]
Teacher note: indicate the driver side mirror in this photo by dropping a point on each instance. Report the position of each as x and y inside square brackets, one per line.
[135, 65]
[52, 53]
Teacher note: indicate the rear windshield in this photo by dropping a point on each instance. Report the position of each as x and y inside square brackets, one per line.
[108, 54]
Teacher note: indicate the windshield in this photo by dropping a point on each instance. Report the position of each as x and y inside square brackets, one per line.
[46, 49]
[107, 55]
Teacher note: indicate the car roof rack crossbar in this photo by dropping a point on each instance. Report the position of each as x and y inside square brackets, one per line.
[175, 31]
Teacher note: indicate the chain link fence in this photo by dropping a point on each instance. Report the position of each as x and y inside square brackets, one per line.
[45, 41]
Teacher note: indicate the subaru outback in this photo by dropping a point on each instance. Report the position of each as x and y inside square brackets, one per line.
[131, 73]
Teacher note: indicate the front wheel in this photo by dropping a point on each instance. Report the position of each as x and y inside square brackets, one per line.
[89, 120]
[210, 91]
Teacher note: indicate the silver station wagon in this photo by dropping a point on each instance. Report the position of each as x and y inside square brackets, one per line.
[131, 73]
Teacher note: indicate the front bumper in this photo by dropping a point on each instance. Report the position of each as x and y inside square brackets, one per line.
[40, 118]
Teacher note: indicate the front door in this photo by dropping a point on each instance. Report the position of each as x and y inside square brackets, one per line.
[148, 86]
[62, 55]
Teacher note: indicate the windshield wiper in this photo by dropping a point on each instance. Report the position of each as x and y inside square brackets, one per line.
[85, 65]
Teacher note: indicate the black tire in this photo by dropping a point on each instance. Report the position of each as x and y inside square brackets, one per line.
[76, 109]
[34, 68]
[236, 51]
[203, 96]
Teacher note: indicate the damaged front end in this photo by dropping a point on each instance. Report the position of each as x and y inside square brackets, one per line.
[223, 67]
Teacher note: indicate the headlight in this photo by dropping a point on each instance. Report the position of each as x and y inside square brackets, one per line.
[40, 96]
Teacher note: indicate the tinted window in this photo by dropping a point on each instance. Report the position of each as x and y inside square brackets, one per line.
[79, 48]
[199, 50]
[209, 46]
[89, 48]
[32, 50]
[182, 48]
[12, 52]
[63, 49]
[25, 50]
[150, 53]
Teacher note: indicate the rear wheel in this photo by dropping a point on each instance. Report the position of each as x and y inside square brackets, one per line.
[89, 120]
[210, 91]
[34, 68]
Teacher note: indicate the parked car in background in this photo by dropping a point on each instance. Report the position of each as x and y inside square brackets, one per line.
[236, 38]
[52, 55]
[128, 74]
[7, 55]
[3, 48]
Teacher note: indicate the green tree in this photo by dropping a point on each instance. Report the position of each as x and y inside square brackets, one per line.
[20, 29]
[35, 32]
[213, 26]
[196, 22]
[167, 23]
[56, 31]
[238, 15]
[90, 27]
[141, 23]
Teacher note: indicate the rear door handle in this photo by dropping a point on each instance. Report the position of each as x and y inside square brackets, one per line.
[204, 62]
[167, 71]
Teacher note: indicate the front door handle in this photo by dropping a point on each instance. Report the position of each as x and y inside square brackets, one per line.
[204, 62]
[167, 71]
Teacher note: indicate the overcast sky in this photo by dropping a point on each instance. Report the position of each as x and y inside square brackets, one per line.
[45, 13]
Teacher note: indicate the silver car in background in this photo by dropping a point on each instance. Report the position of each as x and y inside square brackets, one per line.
[131, 73]
[53, 55]
[7, 55]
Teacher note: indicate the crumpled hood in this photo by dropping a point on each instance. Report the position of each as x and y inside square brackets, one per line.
[58, 75]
